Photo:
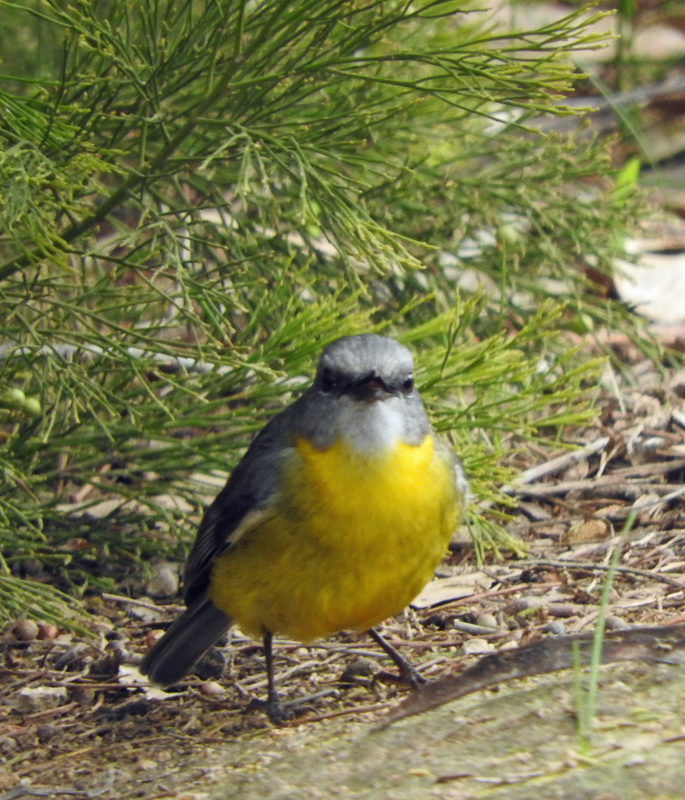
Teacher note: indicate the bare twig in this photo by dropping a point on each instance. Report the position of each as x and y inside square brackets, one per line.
[132, 601]
[654, 645]
[607, 483]
[643, 573]
[560, 463]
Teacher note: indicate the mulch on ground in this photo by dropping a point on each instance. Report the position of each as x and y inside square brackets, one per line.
[77, 722]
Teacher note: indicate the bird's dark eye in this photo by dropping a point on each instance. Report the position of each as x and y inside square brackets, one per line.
[407, 385]
[328, 380]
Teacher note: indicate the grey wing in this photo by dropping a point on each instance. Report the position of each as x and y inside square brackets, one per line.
[252, 486]
[222, 517]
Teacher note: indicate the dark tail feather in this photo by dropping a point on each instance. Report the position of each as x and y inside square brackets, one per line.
[174, 655]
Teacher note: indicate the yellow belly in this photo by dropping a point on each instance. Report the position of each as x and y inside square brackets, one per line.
[350, 541]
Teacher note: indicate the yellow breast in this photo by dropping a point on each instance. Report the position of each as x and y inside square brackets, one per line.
[350, 541]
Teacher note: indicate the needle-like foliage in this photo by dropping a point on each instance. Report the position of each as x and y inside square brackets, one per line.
[198, 195]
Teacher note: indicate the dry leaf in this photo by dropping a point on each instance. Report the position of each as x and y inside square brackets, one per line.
[589, 530]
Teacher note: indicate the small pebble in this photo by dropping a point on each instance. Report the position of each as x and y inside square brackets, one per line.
[487, 621]
[615, 623]
[517, 606]
[46, 732]
[26, 630]
[212, 689]
[47, 631]
[29, 700]
[556, 627]
[476, 647]
[360, 668]
[8, 745]
[153, 636]
[164, 581]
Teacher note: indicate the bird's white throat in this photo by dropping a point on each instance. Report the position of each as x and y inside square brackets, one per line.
[371, 428]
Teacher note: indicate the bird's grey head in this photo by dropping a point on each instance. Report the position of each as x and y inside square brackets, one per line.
[367, 368]
[363, 393]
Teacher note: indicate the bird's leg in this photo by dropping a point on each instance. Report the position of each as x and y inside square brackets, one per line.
[407, 672]
[274, 708]
[277, 711]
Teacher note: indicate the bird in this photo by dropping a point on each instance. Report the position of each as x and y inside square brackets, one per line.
[334, 519]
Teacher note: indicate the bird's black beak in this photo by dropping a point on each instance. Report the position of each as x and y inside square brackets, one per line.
[371, 388]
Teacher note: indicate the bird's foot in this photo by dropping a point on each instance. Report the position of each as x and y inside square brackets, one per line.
[408, 673]
[280, 712]
[411, 675]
